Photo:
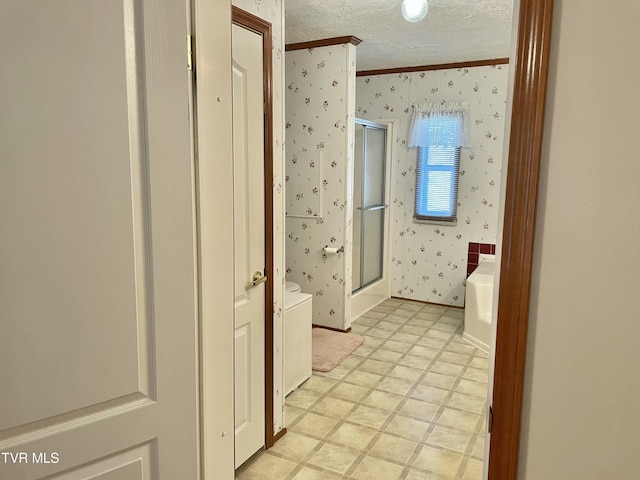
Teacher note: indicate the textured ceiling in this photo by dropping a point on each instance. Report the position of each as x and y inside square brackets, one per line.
[453, 31]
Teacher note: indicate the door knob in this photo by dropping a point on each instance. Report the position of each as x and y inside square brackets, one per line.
[258, 278]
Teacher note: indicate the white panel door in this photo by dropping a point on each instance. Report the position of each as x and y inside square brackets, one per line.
[249, 228]
[97, 258]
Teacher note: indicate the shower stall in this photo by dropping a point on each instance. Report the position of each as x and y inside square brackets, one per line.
[370, 282]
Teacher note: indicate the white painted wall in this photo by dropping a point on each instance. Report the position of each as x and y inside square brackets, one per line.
[582, 382]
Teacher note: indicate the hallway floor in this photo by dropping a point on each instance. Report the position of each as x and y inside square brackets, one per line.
[409, 403]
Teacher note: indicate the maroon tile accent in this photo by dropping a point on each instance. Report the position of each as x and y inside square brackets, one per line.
[473, 254]
[485, 248]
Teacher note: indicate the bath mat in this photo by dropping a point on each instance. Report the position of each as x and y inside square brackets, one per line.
[329, 348]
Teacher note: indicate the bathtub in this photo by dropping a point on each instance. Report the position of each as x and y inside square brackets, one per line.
[479, 303]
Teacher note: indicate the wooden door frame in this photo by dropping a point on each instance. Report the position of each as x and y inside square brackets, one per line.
[261, 27]
[530, 86]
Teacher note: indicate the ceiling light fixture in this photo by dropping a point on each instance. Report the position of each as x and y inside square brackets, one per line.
[414, 10]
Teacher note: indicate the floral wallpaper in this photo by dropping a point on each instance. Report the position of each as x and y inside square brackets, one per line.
[429, 261]
[273, 12]
[320, 125]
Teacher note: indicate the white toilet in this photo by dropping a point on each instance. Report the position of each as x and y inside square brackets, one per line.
[297, 336]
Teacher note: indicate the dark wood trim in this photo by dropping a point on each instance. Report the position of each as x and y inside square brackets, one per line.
[426, 68]
[279, 435]
[426, 303]
[325, 42]
[313, 325]
[529, 94]
[263, 28]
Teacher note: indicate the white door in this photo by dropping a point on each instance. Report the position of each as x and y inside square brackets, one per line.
[97, 258]
[249, 239]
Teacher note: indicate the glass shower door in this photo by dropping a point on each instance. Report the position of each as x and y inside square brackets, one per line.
[369, 203]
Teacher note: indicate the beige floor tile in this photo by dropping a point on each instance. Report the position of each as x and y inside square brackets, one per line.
[473, 470]
[438, 461]
[393, 448]
[364, 379]
[467, 402]
[460, 419]
[395, 385]
[379, 332]
[415, 361]
[383, 400]
[405, 372]
[479, 362]
[338, 372]
[439, 334]
[418, 409]
[314, 425]
[375, 469]
[303, 398]
[356, 436]
[447, 327]
[386, 325]
[353, 361]
[414, 329]
[403, 312]
[369, 416]
[472, 388]
[359, 329]
[395, 346]
[393, 317]
[348, 391]
[424, 315]
[264, 467]
[449, 438]
[446, 368]
[294, 447]
[372, 341]
[436, 343]
[430, 394]
[405, 337]
[439, 309]
[452, 319]
[374, 314]
[461, 348]
[386, 355]
[452, 357]
[476, 374]
[478, 448]
[292, 413]
[423, 351]
[334, 457]
[438, 380]
[333, 407]
[366, 321]
[375, 366]
[307, 473]
[364, 349]
[319, 384]
[420, 475]
[408, 428]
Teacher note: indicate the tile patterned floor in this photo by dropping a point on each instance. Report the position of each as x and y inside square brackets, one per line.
[409, 403]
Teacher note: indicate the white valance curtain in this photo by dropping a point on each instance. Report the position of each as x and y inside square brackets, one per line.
[441, 124]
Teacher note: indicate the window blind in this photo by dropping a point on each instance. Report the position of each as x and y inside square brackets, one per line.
[437, 175]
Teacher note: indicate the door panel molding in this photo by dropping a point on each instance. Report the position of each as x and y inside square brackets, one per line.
[262, 27]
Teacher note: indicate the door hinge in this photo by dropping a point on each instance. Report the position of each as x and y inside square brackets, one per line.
[490, 420]
[190, 53]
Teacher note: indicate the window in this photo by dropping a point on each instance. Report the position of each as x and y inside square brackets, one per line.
[438, 131]
[437, 174]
